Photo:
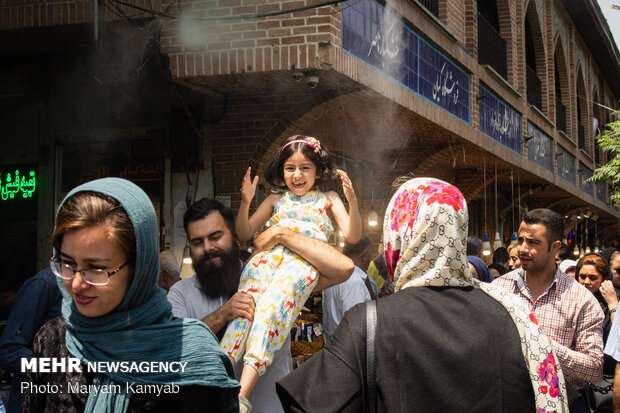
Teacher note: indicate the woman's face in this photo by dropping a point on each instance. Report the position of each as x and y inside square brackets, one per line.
[514, 262]
[94, 248]
[590, 278]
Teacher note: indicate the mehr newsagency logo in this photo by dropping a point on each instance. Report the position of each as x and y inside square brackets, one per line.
[73, 365]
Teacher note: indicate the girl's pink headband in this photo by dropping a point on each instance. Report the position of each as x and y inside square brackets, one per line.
[310, 141]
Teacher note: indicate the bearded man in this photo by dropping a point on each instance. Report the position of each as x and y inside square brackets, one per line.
[211, 294]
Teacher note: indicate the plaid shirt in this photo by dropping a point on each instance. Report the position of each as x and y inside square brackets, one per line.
[571, 317]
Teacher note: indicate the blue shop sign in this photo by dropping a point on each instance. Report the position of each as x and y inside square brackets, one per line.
[539, 147]
[379, 37]
[566, 165]
[499, 121]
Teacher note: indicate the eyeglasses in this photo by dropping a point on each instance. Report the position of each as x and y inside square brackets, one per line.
[92, 276]
[617, 270]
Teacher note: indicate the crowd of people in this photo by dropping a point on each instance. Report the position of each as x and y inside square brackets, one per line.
[426, 326]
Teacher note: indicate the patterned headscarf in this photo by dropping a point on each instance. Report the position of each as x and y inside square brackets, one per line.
[425, 235]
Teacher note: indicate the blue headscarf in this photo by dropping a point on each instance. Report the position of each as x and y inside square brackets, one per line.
[481, 268]
[141, 328]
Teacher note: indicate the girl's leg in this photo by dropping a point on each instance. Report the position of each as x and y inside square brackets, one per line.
[274, 316]
[249, 377]
[254, 280]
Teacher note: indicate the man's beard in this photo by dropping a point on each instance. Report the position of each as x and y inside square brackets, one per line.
[219, 279]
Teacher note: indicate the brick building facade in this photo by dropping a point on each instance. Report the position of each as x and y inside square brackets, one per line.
[495, 96]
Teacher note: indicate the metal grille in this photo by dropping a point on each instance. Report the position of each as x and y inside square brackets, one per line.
[534, 95]
[491, 47]
[560, 115]
[431, 5]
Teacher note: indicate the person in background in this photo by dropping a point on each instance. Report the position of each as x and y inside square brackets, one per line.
[169, 271]
[568, 267]
[106, 261]
[373, 272]
[211, 294]
[437, 335]
[566, 311]
[378, 265]
[37, 301]
[612, 349]
[474, 247]
[612, 256]
[479, 269]
[501, 258]
[593, 273]
[514, 262]
[563, 253]
[497, 270]
[9, 285]
[338, 299]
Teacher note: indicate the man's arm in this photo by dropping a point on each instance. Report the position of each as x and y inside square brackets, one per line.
[27, 315]
[239, 305]
[331, 264]
[585, 362]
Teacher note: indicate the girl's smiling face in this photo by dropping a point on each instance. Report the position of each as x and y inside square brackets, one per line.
[299, 174]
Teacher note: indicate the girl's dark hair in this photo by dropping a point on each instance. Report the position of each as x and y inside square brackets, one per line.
[326, 170]
[88, 209]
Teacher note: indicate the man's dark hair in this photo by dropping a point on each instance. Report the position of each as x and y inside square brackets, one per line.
[500, 256]
[474, 246]
[564, 252]
[204, 207]
[553, 222]
[353, 250]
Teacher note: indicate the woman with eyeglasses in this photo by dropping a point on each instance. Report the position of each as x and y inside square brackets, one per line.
[106, 261]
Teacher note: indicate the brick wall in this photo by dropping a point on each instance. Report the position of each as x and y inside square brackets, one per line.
[270, 43]
[470, 28]
[452, 14]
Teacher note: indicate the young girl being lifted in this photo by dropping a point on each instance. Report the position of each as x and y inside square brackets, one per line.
[280, 280]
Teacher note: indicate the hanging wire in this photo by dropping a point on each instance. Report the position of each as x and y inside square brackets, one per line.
[512, 198]
[484, 171]
[519, 190]
[236, 17]
[496, 215]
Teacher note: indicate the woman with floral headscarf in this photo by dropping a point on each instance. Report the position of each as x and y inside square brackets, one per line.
[446, 347]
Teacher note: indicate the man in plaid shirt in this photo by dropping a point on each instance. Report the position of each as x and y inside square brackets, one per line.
[566, 311]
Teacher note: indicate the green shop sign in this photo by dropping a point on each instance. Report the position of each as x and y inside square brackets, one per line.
[17, 183]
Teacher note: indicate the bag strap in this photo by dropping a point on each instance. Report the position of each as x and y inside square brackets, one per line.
[371, 325]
